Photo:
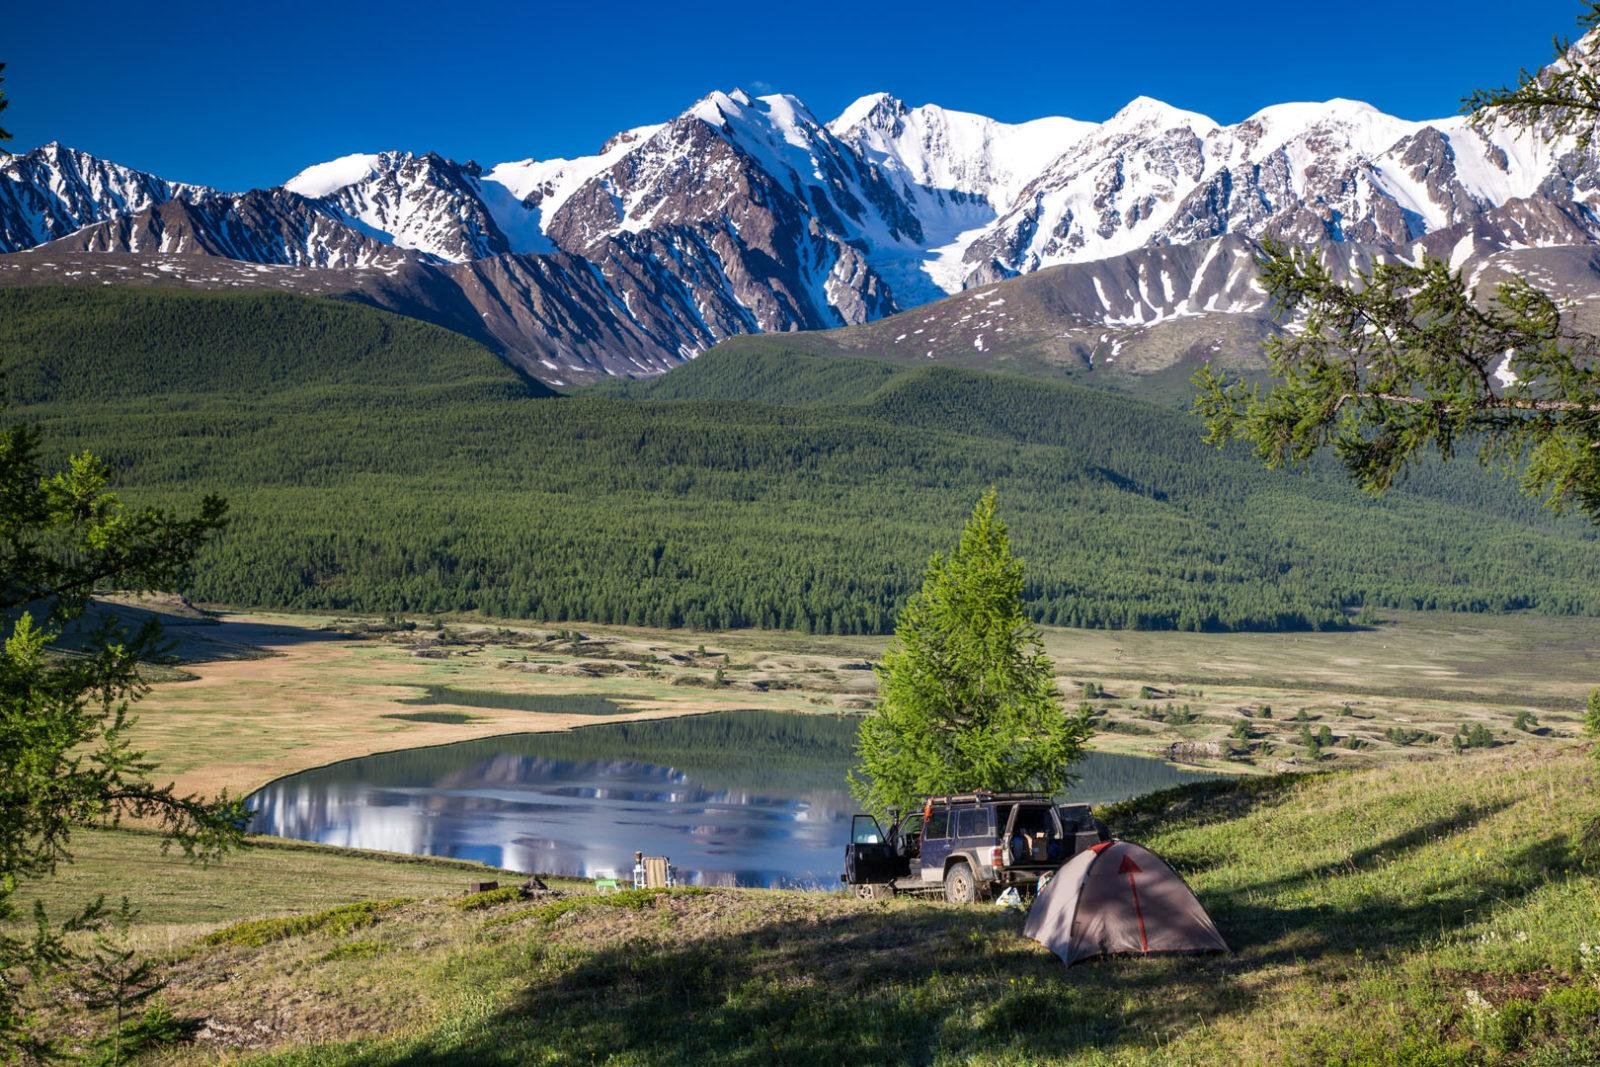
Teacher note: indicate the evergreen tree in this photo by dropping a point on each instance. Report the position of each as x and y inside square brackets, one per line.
[65, 757]
[113, 977]
[1405, 359]
[968, 697]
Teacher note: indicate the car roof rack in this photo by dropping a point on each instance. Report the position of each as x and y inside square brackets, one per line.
[982, 796]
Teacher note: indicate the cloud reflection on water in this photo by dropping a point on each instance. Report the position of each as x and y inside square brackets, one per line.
[569, 817]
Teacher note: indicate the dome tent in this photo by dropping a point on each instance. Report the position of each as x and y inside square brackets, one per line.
[1120, 899]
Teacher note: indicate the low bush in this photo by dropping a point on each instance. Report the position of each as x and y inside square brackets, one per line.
[1403, 736]
[254, 933]
[488, 899]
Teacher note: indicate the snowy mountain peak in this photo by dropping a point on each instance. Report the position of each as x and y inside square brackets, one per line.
[1148, 113]
[745, 213]
[53, 190]
[1361, 126]
[716, 107]
[877, 109]
[320, 179]
[621, 141]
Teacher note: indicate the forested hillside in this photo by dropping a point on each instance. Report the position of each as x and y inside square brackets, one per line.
[375, 464]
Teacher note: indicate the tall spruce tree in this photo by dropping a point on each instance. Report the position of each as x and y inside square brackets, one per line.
[968, 698]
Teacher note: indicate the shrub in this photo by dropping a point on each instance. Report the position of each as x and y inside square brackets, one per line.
[1175, 716]
[155, 1027]
[1508, 1027]
[1525, 720]
[1591, 715]
[254, 933]
[1568, 1011]
[1400, 735]
[1472, 735]
[487, 899]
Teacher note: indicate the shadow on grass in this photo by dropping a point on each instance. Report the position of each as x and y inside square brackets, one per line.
[915, 984]
[869, 987]
[1381, 921]
[1198, 803]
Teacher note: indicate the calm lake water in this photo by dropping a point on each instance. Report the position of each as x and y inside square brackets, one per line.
[751, 798]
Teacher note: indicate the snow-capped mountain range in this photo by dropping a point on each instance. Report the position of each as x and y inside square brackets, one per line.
[749, 214]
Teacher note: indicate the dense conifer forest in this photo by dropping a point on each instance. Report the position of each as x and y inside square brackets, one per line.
[377, 464]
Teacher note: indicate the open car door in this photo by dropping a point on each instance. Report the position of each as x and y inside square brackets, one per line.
[869, 857]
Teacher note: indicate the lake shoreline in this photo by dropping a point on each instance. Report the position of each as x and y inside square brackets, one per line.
[742, 798]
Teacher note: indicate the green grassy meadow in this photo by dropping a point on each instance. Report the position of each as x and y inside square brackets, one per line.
[1419, 913]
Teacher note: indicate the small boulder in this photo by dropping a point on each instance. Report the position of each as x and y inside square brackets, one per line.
[1195, 751]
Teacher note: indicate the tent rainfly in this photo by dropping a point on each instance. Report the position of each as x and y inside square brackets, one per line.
[1120, 899]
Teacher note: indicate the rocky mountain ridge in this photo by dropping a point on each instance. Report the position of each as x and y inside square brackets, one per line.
[750, 215]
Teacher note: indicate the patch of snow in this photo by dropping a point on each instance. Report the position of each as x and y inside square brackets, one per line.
[1503, 373]
[324, 178]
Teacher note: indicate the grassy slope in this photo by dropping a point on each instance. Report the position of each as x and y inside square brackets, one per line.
[271, 877]
[98, 346]
[1369, 913]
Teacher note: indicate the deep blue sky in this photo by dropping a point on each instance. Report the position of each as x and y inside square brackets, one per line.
[240, 94]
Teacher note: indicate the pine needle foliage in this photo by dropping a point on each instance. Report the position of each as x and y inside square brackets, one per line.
[1404, 360]
[969, 698]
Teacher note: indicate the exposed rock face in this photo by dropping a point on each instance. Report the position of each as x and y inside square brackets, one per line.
[765, 244]
[746, 215]
[261, 226]
[53, 191]
[427, 203]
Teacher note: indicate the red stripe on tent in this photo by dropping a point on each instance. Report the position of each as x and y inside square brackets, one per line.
[1130, 869]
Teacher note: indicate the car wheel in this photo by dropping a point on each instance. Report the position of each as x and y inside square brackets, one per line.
[878, 891]
[960, 887]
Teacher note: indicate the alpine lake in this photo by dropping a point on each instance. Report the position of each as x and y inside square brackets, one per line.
[732, 798]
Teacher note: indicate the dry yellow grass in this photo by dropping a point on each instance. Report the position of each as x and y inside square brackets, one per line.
[320, 696]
